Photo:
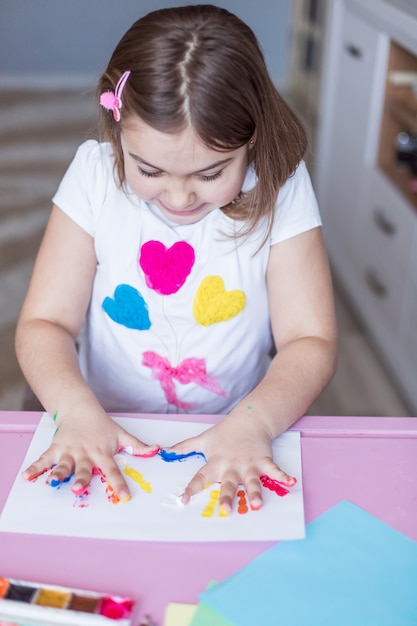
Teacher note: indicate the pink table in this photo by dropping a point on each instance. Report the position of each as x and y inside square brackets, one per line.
[370, 461]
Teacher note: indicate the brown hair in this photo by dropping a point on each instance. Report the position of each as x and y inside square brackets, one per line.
[201, 65]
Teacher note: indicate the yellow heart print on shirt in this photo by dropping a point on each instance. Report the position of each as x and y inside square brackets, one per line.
[212, 303]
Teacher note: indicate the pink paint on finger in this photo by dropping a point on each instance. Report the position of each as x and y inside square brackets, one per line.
[79, 491]
[148, 455]
[273, 485]
[144, 455]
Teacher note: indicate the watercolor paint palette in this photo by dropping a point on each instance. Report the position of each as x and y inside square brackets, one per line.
[25, 603]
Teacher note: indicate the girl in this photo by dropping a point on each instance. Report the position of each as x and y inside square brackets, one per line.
[182, 246]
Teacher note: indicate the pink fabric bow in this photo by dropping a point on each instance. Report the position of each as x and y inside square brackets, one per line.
[112, 101]
[188, 371]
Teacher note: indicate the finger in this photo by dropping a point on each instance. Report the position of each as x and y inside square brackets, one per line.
[254, 492]
[228, 489]
[82, 478]
[62, 471]
[42, 465]
[271, 470]
[116, 486]
[196, 484]
[135, 447]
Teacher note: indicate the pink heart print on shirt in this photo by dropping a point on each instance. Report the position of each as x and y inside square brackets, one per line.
[166, 269]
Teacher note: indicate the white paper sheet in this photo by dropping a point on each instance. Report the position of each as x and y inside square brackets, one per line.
[38, 508]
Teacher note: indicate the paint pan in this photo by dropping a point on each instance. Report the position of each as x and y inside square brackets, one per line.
[25, 603]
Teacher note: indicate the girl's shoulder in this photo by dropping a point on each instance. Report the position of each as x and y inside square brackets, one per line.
[296, 208]
[92, 153]
[299, 179]
[89, 185]
[93, 169]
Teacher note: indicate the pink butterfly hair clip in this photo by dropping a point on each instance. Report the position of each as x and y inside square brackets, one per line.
[112, 101]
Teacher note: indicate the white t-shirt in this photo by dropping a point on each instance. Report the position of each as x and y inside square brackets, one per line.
[178, 319]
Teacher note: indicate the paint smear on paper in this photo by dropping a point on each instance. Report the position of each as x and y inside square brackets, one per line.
[53, 482]
[273, 485]
[242, 504]
[138, 478]
[82, 501]
[173, 456]
[213, 504]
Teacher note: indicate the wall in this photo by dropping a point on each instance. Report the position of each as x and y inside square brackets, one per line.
[58, 41]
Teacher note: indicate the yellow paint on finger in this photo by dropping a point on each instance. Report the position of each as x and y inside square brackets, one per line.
[222, 511]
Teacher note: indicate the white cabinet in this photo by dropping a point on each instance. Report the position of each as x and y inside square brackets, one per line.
[385, 235]
[369, 215]
[350, 79]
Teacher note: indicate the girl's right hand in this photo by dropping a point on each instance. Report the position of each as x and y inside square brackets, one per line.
[81, 446]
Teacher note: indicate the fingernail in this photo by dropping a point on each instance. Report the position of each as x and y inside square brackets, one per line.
[223, 511]
[78, 490]
[185, 498]
[291, 481]
[124, 496]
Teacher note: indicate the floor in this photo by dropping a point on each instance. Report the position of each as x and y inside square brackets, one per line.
[39, 133]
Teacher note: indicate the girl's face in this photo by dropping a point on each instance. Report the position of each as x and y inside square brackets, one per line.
[177, 173]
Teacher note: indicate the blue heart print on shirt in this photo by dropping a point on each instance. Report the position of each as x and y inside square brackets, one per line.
[127, 308]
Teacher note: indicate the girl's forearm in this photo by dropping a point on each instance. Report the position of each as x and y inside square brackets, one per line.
[297, 375]
[48, 358]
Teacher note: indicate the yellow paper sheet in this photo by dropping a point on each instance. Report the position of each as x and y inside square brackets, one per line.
[178, 614]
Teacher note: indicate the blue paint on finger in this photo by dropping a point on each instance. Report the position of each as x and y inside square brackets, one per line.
[57, 483]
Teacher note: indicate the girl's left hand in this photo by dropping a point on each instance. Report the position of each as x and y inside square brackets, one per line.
[238, 452]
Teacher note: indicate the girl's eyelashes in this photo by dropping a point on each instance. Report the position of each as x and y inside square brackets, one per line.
[215, 176]
[204, 177]
[148, 174]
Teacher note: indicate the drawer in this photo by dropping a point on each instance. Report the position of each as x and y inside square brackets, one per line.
[409, 328]
[413, 330]
[381, 288]
[357, 60]
[387, 224]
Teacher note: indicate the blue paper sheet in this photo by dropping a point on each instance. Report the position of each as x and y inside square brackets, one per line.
[351, 570]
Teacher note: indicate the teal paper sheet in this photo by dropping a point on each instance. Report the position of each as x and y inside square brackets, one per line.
[351, 570]
[206, 616]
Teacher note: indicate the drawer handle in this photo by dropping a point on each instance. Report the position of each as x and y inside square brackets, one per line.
[354, 51]
[383, 223]
[375, 284]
